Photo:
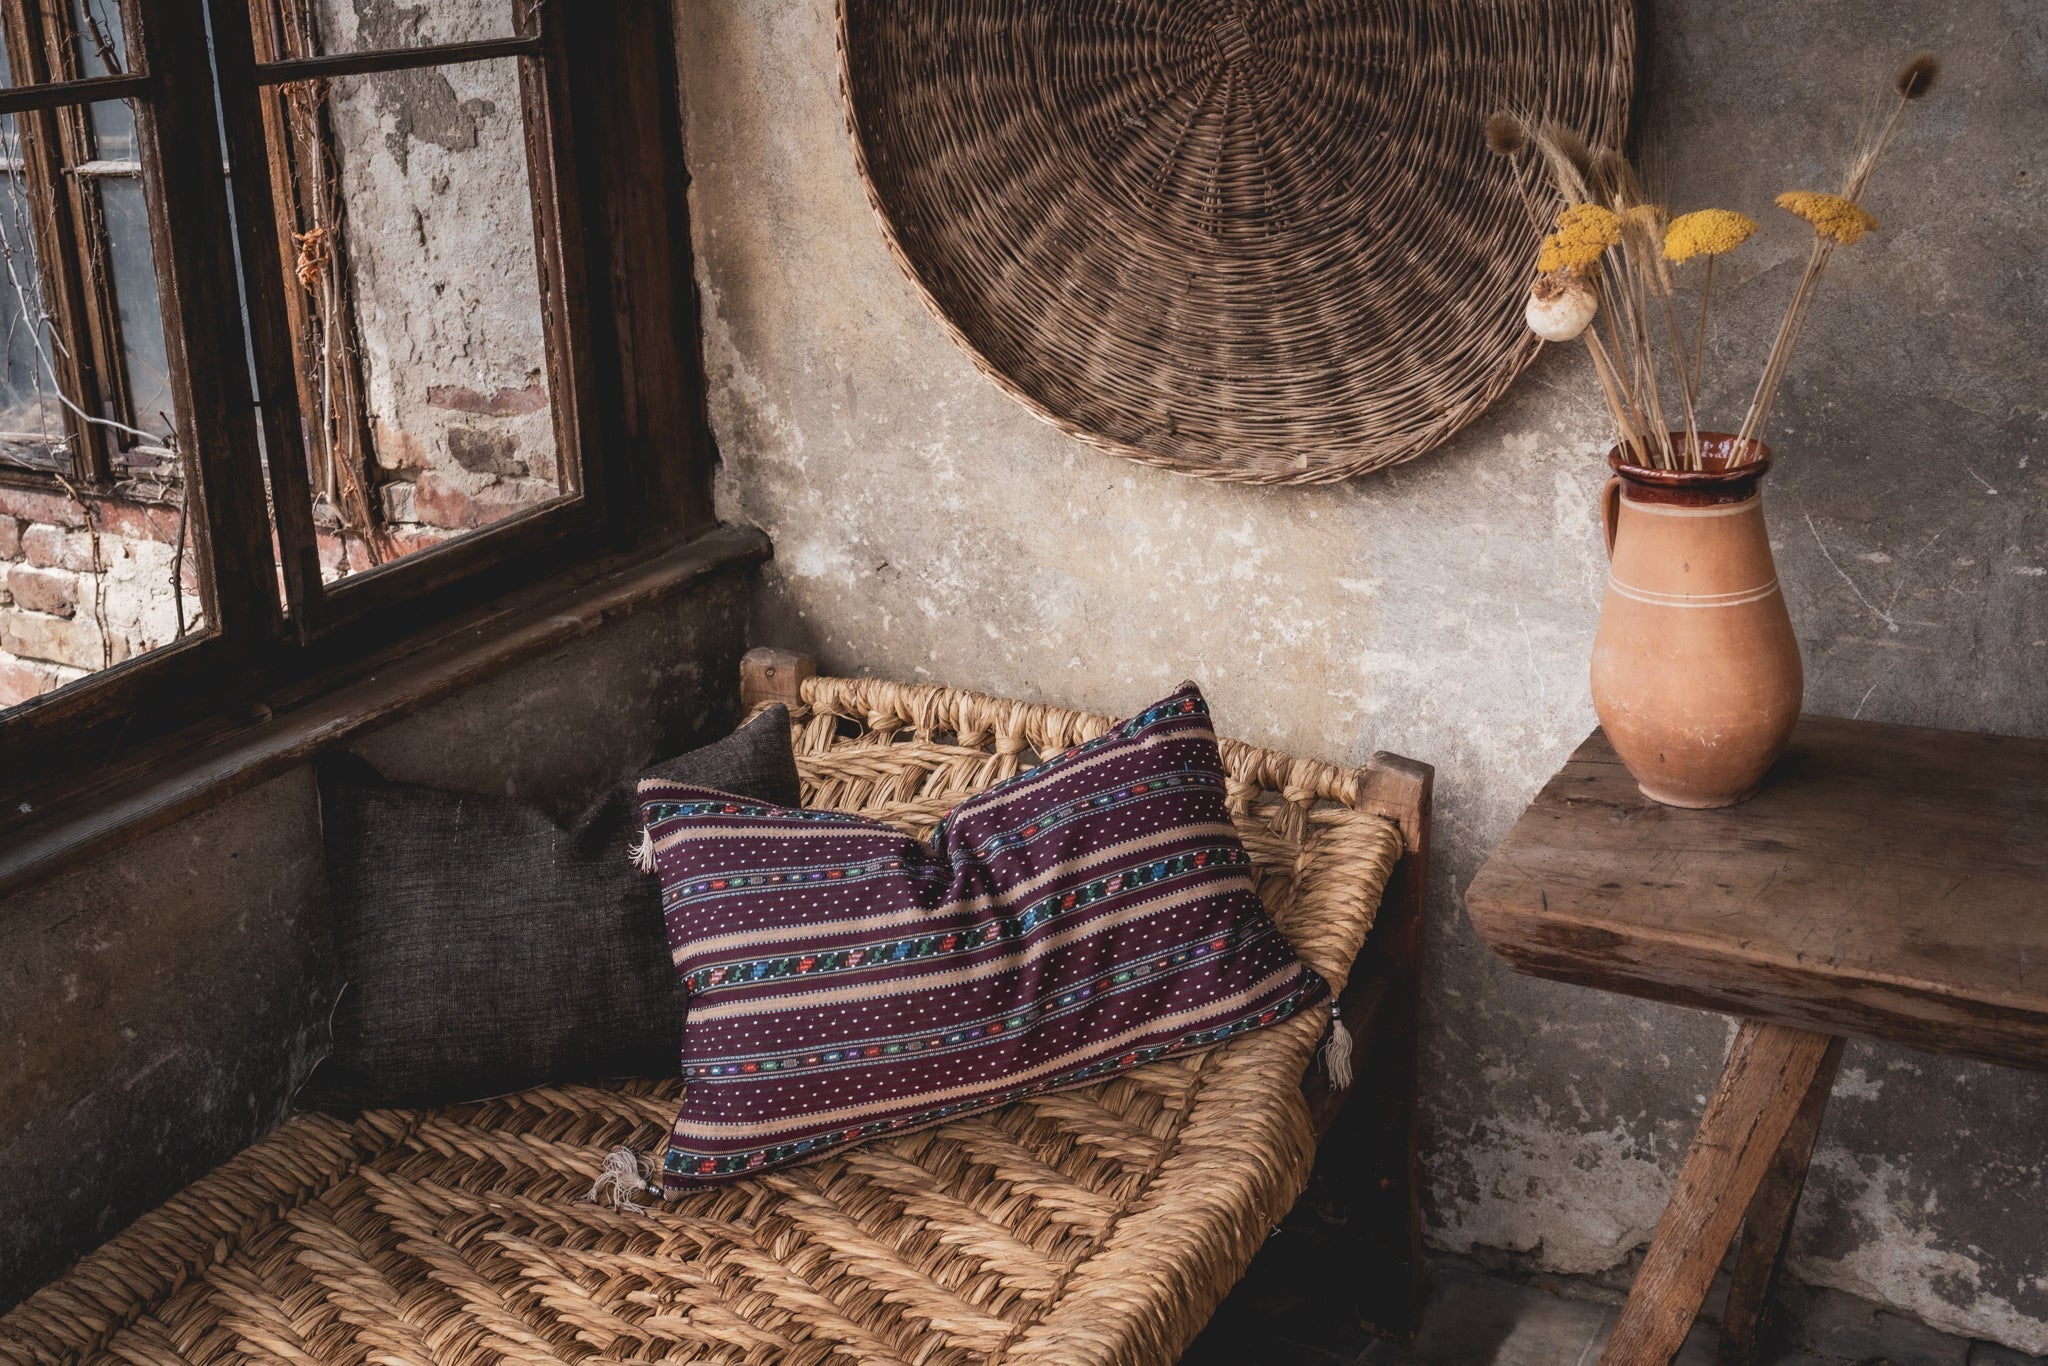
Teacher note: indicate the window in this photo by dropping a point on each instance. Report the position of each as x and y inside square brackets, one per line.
[87, 385]
[312, 338]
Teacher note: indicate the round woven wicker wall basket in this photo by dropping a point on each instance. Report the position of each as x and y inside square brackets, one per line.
[1261, 242]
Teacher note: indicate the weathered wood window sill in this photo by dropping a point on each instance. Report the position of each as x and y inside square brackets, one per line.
[150, 789]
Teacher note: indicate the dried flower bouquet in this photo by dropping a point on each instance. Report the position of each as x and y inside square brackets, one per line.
[1606, 273]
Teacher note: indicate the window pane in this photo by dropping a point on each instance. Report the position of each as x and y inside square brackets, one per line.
[31, 423]
[132, 274]
[89, 580]
[97, 566]
[32, 431]
[422, 352]
[309, 27]
[103, 51]
[102, 46]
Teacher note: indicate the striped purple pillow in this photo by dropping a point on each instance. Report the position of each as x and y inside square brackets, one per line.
[846, 981]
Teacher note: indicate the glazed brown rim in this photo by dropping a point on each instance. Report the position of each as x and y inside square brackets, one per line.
[1716, 485]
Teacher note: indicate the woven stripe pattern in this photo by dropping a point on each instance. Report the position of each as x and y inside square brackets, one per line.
[1099, 1225]
[847, 981]
[1250, 240]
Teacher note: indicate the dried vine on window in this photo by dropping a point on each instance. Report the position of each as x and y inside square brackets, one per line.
[311, 232]
[67, 413]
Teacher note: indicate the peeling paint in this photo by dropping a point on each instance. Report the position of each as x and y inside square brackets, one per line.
[1580, 1200]
[1901, 1258]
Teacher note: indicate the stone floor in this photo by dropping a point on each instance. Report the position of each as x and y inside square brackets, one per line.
[1474, 1318]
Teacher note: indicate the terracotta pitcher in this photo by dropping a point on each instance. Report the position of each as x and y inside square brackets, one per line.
[1696, 673]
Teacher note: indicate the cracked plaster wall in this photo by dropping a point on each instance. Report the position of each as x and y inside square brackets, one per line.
[927, 527]
[432, 170]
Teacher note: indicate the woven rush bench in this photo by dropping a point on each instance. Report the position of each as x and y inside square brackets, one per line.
[1099, 1225]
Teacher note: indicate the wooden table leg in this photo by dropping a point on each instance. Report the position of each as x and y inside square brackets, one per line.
[1767, 1228]
[1770, 1072]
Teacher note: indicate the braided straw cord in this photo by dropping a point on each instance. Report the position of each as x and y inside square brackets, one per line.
[1097, 1225]
[1251, 240]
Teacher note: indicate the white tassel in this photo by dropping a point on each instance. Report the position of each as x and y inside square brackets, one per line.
[643, 851]
[623, 1175]
[1337, 1052]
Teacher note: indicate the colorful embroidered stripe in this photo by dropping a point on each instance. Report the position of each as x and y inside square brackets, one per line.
[1061, 816]
[681, 1160]
[967, 939]
[1061, 1001]
[1189, 702]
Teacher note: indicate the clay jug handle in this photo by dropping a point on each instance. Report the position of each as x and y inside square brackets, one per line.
[1610, 510]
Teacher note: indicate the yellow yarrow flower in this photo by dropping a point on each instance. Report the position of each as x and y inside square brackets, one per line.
[1832, 216]
[1583, 232]
[1706, 232]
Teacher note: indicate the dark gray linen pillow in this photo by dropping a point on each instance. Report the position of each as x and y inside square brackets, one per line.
[486, 949]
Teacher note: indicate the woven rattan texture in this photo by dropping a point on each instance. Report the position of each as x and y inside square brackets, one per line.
[1255, 240]
[1099, 1225]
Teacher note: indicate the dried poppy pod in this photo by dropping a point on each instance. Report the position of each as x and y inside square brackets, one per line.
[1561, 306]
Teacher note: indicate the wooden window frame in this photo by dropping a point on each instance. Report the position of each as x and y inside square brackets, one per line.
[60, 161]
[601, 104]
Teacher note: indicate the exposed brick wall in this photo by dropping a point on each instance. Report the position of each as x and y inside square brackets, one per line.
[85, 585]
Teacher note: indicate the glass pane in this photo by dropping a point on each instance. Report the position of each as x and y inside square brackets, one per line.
[422, 354]
[32, 430]
[91, 579]
[103, 51]
[306, 27]
[102, 46]
[93, 571]
[133, 278]
[93, 44]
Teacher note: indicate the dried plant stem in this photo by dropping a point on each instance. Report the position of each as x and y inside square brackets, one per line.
[1870, 148]
[1798, 329]
[1691, 454]
[1658, 437]
[1781, 348]
[1866, 160]
[1619, 289]
[1627, 422]
[1699, 350]
[1615, 408]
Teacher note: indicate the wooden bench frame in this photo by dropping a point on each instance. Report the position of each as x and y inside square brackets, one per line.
[1367, 1165]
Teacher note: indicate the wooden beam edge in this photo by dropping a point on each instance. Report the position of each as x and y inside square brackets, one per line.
[1402, 790]
[1490, 916]
[464, 653]
[769, 675]
[1882, 1010]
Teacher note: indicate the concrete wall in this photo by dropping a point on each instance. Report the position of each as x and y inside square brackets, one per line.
[158, 1007]
[927, 527]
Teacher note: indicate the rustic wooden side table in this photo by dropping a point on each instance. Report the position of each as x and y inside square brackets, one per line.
[1888, 883]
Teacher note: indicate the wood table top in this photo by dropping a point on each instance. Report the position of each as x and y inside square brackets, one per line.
[1889, 882]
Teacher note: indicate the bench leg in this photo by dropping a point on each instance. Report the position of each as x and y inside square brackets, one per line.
[1767, 1228]
[1389, 1299]
[1771, 1072]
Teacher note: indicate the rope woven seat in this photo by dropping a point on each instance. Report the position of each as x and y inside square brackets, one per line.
[1098, 1225]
